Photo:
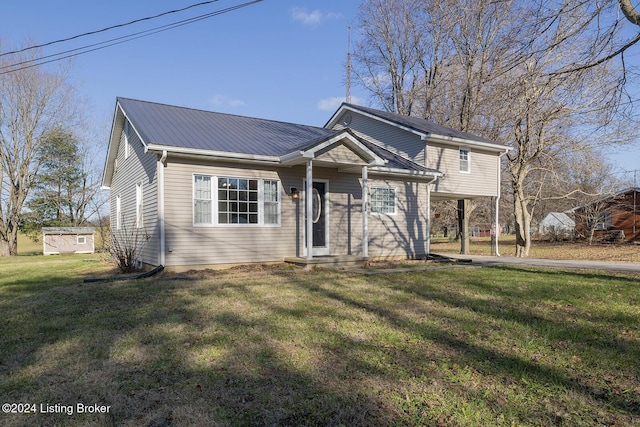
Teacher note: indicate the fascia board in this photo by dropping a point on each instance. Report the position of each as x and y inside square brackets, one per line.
[450, 140]
[220, 155]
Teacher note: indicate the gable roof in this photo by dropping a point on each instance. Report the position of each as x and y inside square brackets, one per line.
[238, 138]
[558, 218]
[172, 126]
[426, 129]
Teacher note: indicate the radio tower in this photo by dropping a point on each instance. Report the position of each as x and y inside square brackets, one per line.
[348, 79]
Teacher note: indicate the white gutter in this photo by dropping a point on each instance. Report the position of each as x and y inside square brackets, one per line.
[219, 155]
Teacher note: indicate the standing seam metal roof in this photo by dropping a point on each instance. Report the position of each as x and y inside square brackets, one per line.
[174, 126]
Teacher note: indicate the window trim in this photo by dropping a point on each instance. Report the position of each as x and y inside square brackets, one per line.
[468, 160]
[118, 212]
[83, 238]
[127, 145]
[395, 200]
[213, 182]
[139, 206]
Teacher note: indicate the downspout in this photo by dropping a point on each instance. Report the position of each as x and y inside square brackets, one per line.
[161, 165]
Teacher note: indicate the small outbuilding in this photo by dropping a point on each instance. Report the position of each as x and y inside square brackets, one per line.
[557, 223]
[68, 240]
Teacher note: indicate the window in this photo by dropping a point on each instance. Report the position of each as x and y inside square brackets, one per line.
[118, 213]
[383, 200]
[271, 205]
[81, 240]
[465, 161]
[126, 139]
[235, 201]
[139, 207]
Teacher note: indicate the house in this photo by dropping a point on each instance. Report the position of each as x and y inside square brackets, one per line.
[210, 189]
[615, 217]
[68, 240]
[556, 224]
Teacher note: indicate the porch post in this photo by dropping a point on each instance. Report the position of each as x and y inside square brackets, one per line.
[365, 212]
[308, 199]
[428, 219]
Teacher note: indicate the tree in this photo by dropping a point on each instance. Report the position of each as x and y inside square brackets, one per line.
[63, 188]
[505, 70]
[34, 105]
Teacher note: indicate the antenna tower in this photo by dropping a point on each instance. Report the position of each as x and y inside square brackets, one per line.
[348, 79]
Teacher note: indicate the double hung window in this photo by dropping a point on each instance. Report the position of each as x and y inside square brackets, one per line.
[231, 200]
[465, 160]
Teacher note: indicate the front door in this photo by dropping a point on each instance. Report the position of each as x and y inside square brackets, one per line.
[319, 218]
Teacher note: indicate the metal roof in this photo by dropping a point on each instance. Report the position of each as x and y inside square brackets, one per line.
[205, 130]
[68, 230]
[418, 124]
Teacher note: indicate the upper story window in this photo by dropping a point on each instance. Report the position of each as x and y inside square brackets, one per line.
[383, 200]
[231, 200]
[465, 160]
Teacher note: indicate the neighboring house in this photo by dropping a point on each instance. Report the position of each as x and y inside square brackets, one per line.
[614, 217]
[556, 223]
[68, 240]
[206, 188]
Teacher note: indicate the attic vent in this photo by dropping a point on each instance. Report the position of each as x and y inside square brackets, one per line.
[346, 119]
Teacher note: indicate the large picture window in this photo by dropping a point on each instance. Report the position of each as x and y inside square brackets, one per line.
[383, 200]
[235, 201]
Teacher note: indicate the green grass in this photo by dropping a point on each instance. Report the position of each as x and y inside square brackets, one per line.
[459, 347]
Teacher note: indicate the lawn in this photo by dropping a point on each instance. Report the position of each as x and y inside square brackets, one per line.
[455, 347]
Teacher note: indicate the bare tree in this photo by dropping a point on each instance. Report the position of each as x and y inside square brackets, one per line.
[34, 103]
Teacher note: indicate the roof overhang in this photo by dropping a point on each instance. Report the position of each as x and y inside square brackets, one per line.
[425, 136]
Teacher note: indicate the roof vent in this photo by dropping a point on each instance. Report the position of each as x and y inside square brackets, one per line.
[346, 119]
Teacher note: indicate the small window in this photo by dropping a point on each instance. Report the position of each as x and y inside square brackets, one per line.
[605, 221]
[81, 240]
[139, 207]
[271, 214]
[465, 161]
[127, 149]
[383, 200]
[118, 213]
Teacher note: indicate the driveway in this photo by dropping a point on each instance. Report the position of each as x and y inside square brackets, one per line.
[625, 267]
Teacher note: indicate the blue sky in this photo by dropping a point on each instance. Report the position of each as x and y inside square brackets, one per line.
[276, 59]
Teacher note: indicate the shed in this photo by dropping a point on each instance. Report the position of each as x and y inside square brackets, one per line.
[68, 240]
[557, 223]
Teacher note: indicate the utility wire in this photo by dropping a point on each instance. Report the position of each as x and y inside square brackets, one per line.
[108, 28]
[118, 40]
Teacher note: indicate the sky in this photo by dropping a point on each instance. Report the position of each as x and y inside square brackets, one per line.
[275, 59]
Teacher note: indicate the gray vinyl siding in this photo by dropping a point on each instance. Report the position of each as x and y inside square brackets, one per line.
[482, 180]
[138, 168]
[188, 245]
[396, 140]
[405, 232]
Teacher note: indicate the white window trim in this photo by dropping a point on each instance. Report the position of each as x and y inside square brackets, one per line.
[139, 206]
[81, 240]
[395, 200]
[468, 160]
[213, 182]
[118, 212]
[127, 148]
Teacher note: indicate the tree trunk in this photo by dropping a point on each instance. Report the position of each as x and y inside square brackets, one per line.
[522, 220]
[463, 226]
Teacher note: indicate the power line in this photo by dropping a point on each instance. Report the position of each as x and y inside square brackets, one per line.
[107, 28]
[118, 40]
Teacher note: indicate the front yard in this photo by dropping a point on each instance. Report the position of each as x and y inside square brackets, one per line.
[457, 347]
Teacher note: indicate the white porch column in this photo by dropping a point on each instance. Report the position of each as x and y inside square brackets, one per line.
[428, 219]
[365, 212]
[308, 199]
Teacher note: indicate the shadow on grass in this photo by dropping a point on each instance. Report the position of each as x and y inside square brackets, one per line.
[300, 349]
